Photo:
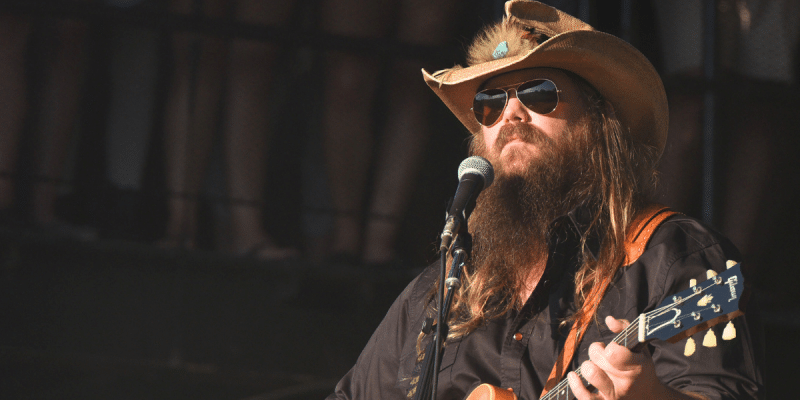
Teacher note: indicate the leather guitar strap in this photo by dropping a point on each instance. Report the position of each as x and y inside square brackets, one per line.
[636, 240]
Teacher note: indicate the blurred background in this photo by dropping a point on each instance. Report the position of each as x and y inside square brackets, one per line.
[215, 199]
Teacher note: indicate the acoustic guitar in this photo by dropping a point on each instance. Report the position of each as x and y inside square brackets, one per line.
[713, 301]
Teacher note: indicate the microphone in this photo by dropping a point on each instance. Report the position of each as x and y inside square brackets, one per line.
[474, 174]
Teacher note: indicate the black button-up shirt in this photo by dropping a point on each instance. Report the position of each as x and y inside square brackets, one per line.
[519, 350]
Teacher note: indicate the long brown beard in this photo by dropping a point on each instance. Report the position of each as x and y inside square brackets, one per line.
[595, 166]
[512, 218]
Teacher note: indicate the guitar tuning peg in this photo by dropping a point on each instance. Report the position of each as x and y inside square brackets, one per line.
[710, 339]
[692, 282]
[710, 273]
[690, 347]
[729, 332]
[705, 300]
[730, 263]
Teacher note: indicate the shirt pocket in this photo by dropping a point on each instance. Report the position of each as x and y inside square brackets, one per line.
[449, 356]
[411, 363]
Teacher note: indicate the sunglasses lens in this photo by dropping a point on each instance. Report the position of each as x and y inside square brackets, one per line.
[488, 106]
[540, 96]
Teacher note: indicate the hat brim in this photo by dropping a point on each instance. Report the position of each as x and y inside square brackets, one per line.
[618, 71]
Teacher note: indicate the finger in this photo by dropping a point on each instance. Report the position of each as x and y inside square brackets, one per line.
[580, 391]
[594, 371]
[620, 358]
[614, 357]
[616, 325]
[597, 354]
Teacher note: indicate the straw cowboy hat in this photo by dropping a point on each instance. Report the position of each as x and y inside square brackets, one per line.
[622, 74]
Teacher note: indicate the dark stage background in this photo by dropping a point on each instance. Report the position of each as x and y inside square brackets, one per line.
[96, 306]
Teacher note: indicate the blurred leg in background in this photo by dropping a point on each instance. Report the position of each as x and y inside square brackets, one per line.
[191, 118]
[60, 104]
[391, 137]
[247, 131]
[57, 60]
[230, 79]
[349, 92]
[406, 127]
[14, 34]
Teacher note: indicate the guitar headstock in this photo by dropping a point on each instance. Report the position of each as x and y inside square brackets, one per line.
[698, 308]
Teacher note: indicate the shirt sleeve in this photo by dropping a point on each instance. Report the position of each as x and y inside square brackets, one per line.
[375, 374]
[719, 369]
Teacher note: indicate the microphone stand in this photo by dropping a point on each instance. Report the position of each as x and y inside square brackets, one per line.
[429, 372]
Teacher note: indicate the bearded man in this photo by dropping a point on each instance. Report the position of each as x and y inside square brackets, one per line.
[567, 249]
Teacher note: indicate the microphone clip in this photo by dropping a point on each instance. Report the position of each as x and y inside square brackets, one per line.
[452, 227]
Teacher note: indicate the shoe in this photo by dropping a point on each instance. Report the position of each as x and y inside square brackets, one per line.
[266, 251]
[175, 242]
[65, 230]
[347, 259]
[11, 218]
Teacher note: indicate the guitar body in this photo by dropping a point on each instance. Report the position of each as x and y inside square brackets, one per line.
[486, 391]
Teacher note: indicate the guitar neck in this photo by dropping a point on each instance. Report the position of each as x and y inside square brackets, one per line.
[629, 337]
[693, 310]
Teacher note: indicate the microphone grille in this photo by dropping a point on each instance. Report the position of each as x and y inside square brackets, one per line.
[477, 165]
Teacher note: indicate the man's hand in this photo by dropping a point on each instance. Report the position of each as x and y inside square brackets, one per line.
[618, 373]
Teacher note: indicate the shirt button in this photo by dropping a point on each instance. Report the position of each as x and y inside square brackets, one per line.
[517, 336]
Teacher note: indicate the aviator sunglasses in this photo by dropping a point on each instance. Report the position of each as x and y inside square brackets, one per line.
[538, 95]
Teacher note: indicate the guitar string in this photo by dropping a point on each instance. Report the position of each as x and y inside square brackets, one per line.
[564, 384]
[669, 307]
[630, 331]
[628, 334]
[662, 310]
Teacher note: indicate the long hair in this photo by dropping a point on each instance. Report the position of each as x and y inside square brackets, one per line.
[626, 177]
[616, 177]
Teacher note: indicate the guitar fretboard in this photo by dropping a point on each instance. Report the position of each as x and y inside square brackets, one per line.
[629, 337]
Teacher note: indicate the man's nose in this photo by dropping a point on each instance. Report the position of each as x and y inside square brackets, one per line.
[515, 110]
